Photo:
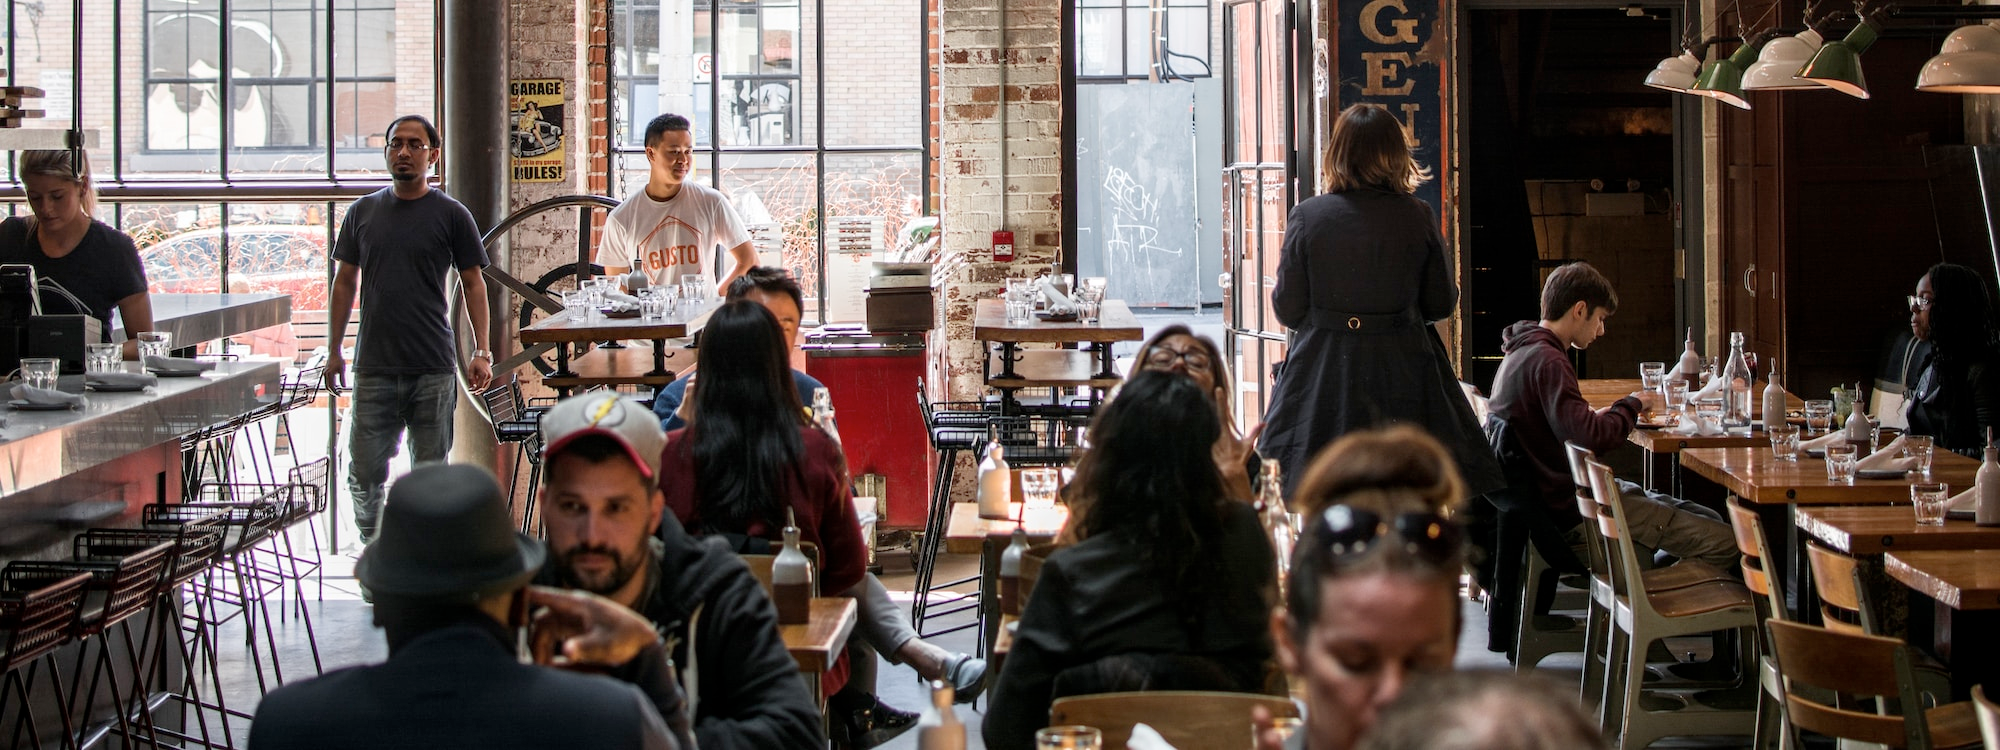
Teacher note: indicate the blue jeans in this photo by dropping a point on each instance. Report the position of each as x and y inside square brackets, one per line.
[384, 407]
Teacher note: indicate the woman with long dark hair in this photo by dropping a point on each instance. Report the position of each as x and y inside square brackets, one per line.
[1955, 396]
[1176, 348]
[1163, 582]
[1362, 274]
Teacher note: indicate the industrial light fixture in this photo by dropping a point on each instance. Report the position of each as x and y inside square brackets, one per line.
[1967, 63]
[1676, 74]
[1778, 64]
[1837, 65]
[1722, 80]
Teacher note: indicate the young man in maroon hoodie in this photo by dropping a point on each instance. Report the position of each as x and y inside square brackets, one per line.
[1535, 391]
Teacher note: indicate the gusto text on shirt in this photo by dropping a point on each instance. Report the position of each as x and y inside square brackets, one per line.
[674, 255]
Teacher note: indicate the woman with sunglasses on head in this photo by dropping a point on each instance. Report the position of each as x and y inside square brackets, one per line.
[1163, 583]
[1373, 597]
[1955, 394]
[1175, 348]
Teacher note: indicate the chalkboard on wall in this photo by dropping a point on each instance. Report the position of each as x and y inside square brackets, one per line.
[1138, 220]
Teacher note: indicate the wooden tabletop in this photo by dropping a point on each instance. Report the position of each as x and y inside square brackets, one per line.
[1663, 441]
[1752, 474]
[1115, 323]
[560, 328]
[1875, 529]
[1603, 392]
[1052, 368]
[967, 531]
[816, 644]
[1959, 579]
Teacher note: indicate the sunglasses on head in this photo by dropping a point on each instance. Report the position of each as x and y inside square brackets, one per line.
[1350, 532]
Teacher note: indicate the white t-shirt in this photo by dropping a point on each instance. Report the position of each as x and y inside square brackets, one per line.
[671, 237]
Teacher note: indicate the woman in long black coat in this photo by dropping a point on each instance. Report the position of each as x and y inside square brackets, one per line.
[1362, 274]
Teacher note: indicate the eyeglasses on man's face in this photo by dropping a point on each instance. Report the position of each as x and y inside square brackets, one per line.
[417, 147]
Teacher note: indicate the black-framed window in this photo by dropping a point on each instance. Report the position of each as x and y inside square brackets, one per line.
[1114, 38]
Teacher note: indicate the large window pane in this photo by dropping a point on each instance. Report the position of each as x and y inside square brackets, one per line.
[875, 81]
[776, 194]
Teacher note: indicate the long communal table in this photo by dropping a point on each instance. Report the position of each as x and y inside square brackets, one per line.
[569, 332]
[195, 318]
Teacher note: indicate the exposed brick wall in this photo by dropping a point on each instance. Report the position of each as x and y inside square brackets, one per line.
[971, 154]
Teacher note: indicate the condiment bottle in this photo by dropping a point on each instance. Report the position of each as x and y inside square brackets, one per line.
[996, 483]
[1010, 572]
[1271, 509]
[822, 413]
[939, 727]
[1860, 429]
[791, 578]
[636, 279]
[1689, 368]
[1774, 399]
[1987, 513]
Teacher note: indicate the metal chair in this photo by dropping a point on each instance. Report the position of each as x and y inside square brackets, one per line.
[121, 586]
[246, 574]
[953, 428]
[37, 616]
[514, 424]
[1989, 716]
[195, 548]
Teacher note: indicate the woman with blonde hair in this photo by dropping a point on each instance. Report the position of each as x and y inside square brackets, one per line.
[98, 265]
[1362, 273]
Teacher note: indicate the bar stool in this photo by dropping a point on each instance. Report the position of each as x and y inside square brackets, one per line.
[953, 428]
[514, 424]
[296, 389]
[238, 572]
[195, 548]
[120, 587]
[37, 616]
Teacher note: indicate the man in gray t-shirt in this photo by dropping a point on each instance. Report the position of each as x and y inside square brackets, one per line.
[405, 240]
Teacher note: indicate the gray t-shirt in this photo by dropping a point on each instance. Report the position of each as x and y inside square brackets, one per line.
[407, 250]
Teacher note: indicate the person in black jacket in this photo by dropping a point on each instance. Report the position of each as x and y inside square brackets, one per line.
[600, 504]
[450, 579]
[1955, 394]
[1164, 582]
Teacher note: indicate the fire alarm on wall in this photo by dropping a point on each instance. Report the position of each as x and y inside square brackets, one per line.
[1003, 245]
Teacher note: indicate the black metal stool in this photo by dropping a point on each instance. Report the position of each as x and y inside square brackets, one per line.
[37, 616]
[515, 424]
[196, 546]
[953, 428]
[120, 587]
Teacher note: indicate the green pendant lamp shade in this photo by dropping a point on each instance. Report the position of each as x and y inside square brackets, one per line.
[1967, 63]
[1723, 79]
[1778, 64]
[1838, 64]
[1676, 74]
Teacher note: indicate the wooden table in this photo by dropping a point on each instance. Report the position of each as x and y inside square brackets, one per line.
[1115, 323]
[1877, 529]
[1755, 476]
[1965, 585]
[566, 331]
[967, 533]
[817, 644]
[1603, 392]
[1660, 445]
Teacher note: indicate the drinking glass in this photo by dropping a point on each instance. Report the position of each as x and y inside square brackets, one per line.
[652, 305]
[577, 303]
[1038, 489]
[1651, 374]
[1819, 416]
[1676, 397]
[1095, 285]
[40, 372]
[1784, 442]
[692, 288]
[1075, 737]
[593, 291]
[1707, 412]
[103, 358]
[1919, 447]
[1929, 499]
[155, 343]
[1840, 459]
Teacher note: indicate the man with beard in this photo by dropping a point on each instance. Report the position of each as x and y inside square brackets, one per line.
[407, 238]
[600, 503]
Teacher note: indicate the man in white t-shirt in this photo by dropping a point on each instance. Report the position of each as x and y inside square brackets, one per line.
[673, 227]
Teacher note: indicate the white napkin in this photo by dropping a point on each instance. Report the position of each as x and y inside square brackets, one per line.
[33, 395]
[617, 297]
[1714, 388]
[121, 378]
[1963, 502]
[1692, 425]
[178, 363]
[1820, 443]
[1146, 738]
[1887, 459]
[1058, 302]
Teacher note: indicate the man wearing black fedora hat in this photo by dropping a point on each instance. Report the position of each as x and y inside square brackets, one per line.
[450, 578]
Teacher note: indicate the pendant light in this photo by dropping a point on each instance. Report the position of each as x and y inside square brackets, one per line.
[1778, 64]
[1722, 80]
[1676, 74]
[1967, 63]
[1837, 65]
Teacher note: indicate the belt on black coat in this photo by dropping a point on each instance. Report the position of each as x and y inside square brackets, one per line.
[1363, 322]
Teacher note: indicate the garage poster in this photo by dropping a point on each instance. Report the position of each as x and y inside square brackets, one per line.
[535, 105]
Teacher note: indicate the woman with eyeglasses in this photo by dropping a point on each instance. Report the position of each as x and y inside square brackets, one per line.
[1175, 348]
[1362, 275]
[1164, 582]
[1955, 394]
[96, 264]
[1373, 597]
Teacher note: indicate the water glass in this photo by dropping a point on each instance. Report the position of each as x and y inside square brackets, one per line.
[1819, 416]
[1075, 737]
[1094, 285]
[652, 305]
[694, 287]
[576, 302]
[155, 344]
[1930, 499]
[1651, 375]
[40, 372]
[1920, 449]
[1088, 309]
[103, 358]
[1840, 458]
[593, 291]
[1038, 489]
[1784, 442]
[1708, 412]
[1676, 397]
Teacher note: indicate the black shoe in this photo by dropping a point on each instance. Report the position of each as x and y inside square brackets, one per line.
[863, 728]
[967, 675]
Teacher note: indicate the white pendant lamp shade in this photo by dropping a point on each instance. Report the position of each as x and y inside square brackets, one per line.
[1777, 66]
[1676, 74]
[1967, 63]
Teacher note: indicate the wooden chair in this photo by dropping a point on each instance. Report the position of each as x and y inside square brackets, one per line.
[1642, 616]
[1989, 716]
[1187, 719]
[1864, 665]
[1844, 607]
[1750, 540]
